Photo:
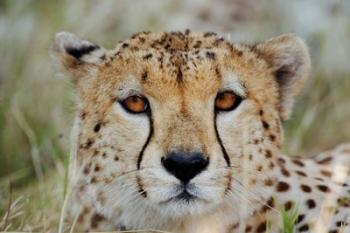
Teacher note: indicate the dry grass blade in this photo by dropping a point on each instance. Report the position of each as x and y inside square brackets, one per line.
[4, 222]
[13, 211]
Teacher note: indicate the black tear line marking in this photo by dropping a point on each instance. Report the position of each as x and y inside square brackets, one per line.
[79, 52]
[224, 152]
[139, 160]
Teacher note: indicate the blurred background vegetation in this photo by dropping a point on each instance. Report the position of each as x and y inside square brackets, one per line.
[36, 106]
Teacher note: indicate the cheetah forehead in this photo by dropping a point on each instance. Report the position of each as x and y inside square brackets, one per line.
[175, 41]
[174, 50]
[201, 61]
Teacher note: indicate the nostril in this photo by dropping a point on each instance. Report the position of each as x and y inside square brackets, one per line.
[199, 164]
[169, 163]
[185, 166]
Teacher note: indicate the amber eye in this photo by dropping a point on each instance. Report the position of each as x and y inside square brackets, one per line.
[135, 104]
[227, 101]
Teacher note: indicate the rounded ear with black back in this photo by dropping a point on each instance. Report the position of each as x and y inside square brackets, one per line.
[76, 57]
[289, 59]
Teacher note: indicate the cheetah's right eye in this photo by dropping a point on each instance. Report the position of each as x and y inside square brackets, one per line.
[227, 101]
[135, 104]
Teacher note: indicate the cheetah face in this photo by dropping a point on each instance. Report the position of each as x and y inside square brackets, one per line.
[165, 121]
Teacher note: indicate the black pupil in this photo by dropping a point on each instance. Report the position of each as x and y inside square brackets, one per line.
[135, 99]
[222, 96]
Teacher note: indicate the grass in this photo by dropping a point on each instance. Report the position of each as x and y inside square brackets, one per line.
[34, 208]
[36, 104]
[289, 218]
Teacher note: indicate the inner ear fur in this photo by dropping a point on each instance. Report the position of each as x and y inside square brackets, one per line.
[289, 59]
[74, 56]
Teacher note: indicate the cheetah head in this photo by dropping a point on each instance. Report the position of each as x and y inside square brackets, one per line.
[168, 123]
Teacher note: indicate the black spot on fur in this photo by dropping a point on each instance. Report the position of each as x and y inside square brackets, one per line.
[304, 228]
[261, 228]
[282, 186]
[281, 161]
[95, 152]
[300, 173]
[298, 162]
[269, 204]
[144, 76]
[97, 168]
[83, 115]
[300, 218]
[86, 169]
[210, 55]
[93, 180]
[268, 182]
[323, 188]
[265, 125]
[88, 143]
[95, 219]
[160, 59]
[97, 127]
[326, 173]
[341, 223]
[142, 39]
[305, 188]
[207, 34]
[325, 160]
[218, 41]
[147, 56]
[288, 205]
[217, 72]
[272, 137]
[268, 154]
[285, 172]
[179, 75]
[197, 45]
[333, 231]
[140, 185]
[311, 203]
[79, 52]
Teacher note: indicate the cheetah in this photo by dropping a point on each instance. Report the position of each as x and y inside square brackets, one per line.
[181, 132]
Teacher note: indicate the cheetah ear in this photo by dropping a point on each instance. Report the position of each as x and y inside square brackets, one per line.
[74, 56]
[289, 59]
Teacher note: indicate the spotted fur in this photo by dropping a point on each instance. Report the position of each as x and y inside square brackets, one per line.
[116, 176]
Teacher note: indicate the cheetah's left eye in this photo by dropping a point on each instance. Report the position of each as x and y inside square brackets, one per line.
[135, 104]
[227, 101]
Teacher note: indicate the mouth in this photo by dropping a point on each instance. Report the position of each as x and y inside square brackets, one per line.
[184, 193]
[185, 196]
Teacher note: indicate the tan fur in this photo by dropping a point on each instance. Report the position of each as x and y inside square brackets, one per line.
[180, 74]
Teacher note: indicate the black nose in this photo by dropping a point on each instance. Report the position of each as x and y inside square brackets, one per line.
[185, 166]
